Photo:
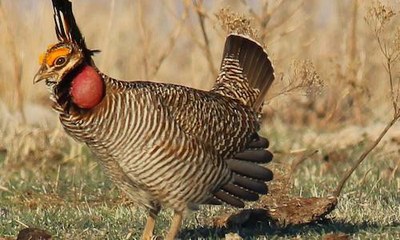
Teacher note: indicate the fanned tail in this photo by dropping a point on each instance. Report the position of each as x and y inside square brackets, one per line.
[246, 73]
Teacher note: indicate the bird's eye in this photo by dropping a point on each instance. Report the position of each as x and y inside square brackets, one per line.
[60, 61]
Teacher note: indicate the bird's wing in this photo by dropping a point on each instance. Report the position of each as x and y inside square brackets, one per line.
[223, 123]
[175, 166]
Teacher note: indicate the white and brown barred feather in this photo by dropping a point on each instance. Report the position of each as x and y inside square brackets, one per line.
[246, 72]
[171, 145]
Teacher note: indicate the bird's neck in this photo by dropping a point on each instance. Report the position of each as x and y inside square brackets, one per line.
[87, 88]
[81, 91]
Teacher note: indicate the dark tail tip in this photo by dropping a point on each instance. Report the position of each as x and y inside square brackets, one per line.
[259, 142]
[256, 155]
[252, 185]
[249, 169]
[227, 198]
[240, 192]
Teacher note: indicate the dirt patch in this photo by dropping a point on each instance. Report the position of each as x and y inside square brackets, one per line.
[279, 208]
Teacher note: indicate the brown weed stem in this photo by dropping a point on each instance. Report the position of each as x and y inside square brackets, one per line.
[199, 10]
[342, 182]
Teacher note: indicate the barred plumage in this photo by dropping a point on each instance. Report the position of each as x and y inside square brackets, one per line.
[138, 123]
[163, 144]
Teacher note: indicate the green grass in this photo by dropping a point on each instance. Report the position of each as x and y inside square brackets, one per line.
[74, 200]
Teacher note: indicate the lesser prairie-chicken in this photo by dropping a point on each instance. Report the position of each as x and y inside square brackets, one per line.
[165, 145]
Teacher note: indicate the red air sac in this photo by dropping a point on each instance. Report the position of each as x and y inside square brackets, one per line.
[87, 88]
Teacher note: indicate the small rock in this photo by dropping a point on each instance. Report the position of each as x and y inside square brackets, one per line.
[33, 234]
[4, 212]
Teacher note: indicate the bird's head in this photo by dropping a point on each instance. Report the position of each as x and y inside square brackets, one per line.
[58, 61]
[71, 76]
[68, 67]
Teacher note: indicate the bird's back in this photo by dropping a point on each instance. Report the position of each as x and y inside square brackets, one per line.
[223, 123]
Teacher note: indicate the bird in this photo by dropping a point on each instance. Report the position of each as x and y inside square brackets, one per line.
[165, 145]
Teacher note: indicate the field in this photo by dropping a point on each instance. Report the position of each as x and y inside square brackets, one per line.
[337, 74]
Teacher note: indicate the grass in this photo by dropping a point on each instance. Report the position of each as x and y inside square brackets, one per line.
[71, 202]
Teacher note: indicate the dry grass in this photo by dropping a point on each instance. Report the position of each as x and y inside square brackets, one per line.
[337, 84]
[153, 41]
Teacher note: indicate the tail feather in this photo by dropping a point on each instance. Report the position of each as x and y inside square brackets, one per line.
[250, 184]
[228, 198]
[248, 176]
[240, 192]
[246, 72]
[259, 142]
[255, 155]
[249, 169]
[213, 201]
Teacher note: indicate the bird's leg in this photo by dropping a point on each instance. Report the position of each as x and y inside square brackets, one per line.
[175, 226]
[150, 223]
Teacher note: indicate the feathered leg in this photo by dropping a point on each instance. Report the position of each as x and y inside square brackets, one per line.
[149, 228]
[175, 226]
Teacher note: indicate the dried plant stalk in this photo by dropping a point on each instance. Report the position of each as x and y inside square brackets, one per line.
[378, 17]
[19, 96]
[283, 210]
[171, 41]
[233, 22]
[201, 16]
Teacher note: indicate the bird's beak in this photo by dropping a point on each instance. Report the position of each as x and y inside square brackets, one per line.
[41, 75]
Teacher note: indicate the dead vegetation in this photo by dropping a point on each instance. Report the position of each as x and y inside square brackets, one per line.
[278, 207]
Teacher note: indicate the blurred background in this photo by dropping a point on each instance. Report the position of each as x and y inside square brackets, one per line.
[163, 41]
[331, 87]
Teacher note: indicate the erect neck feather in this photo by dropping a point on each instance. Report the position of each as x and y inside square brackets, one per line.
[87, 88]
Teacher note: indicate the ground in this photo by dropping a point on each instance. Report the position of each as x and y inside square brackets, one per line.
[70, 198]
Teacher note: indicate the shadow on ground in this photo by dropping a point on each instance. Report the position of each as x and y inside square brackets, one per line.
[262, 229]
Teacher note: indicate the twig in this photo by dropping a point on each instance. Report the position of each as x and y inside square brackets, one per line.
[23, 224]
[171, 43]
[263, 18]
[388, 54]
[342, 182]
[285, 90]
[251, 11]
[287, 17]
[299, 161]
[5, 189]
[199, 10]
[393, 174]
[389, 70]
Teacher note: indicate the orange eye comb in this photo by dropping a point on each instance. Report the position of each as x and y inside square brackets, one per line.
[50, 57]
